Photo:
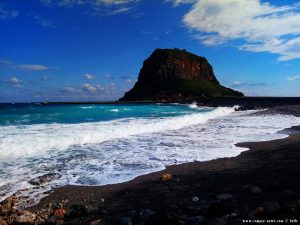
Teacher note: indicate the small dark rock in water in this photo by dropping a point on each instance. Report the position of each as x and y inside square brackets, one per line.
[225, 197]
[125, 221]
[272, 207]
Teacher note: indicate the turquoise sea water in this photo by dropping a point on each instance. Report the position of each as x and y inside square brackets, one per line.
[48, 146]
[26, 114]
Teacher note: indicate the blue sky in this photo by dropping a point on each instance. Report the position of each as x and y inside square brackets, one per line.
[75, 50]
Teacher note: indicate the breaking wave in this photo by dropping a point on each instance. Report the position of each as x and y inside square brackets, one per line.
[38, 139]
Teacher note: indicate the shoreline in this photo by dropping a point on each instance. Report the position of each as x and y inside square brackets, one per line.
[117, 201]
[112, 203]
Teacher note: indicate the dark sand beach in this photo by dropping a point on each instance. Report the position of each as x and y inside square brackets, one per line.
[257, 186]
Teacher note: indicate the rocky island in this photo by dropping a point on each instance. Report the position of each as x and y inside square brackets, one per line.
[175, 75]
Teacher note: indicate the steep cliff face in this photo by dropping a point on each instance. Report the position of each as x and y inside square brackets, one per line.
[176, 75]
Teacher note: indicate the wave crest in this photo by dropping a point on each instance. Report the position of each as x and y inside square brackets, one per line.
[33, 140]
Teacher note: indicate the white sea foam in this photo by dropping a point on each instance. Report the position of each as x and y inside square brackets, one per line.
[119, 150]
[33, 140]
[114, 110]
[86, 107]
[193, 105]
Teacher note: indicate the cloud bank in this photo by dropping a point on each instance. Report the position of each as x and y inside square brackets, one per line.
[32, 67]
[88, 76]
[254, 25]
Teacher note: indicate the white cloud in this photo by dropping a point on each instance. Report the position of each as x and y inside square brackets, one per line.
[258, 26]
[7, 14]
[239, 84]
[98, 7]
[100, 88]
[178, 2]
[89, 88]
[70, 89]
[292, 78]
[115, 2]
[29, 67]
[32, 67]
[129, 81]
[89, 76]
[236, 82]
[118, 11]
[15, 82]
[87, 2]
[86, 90]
